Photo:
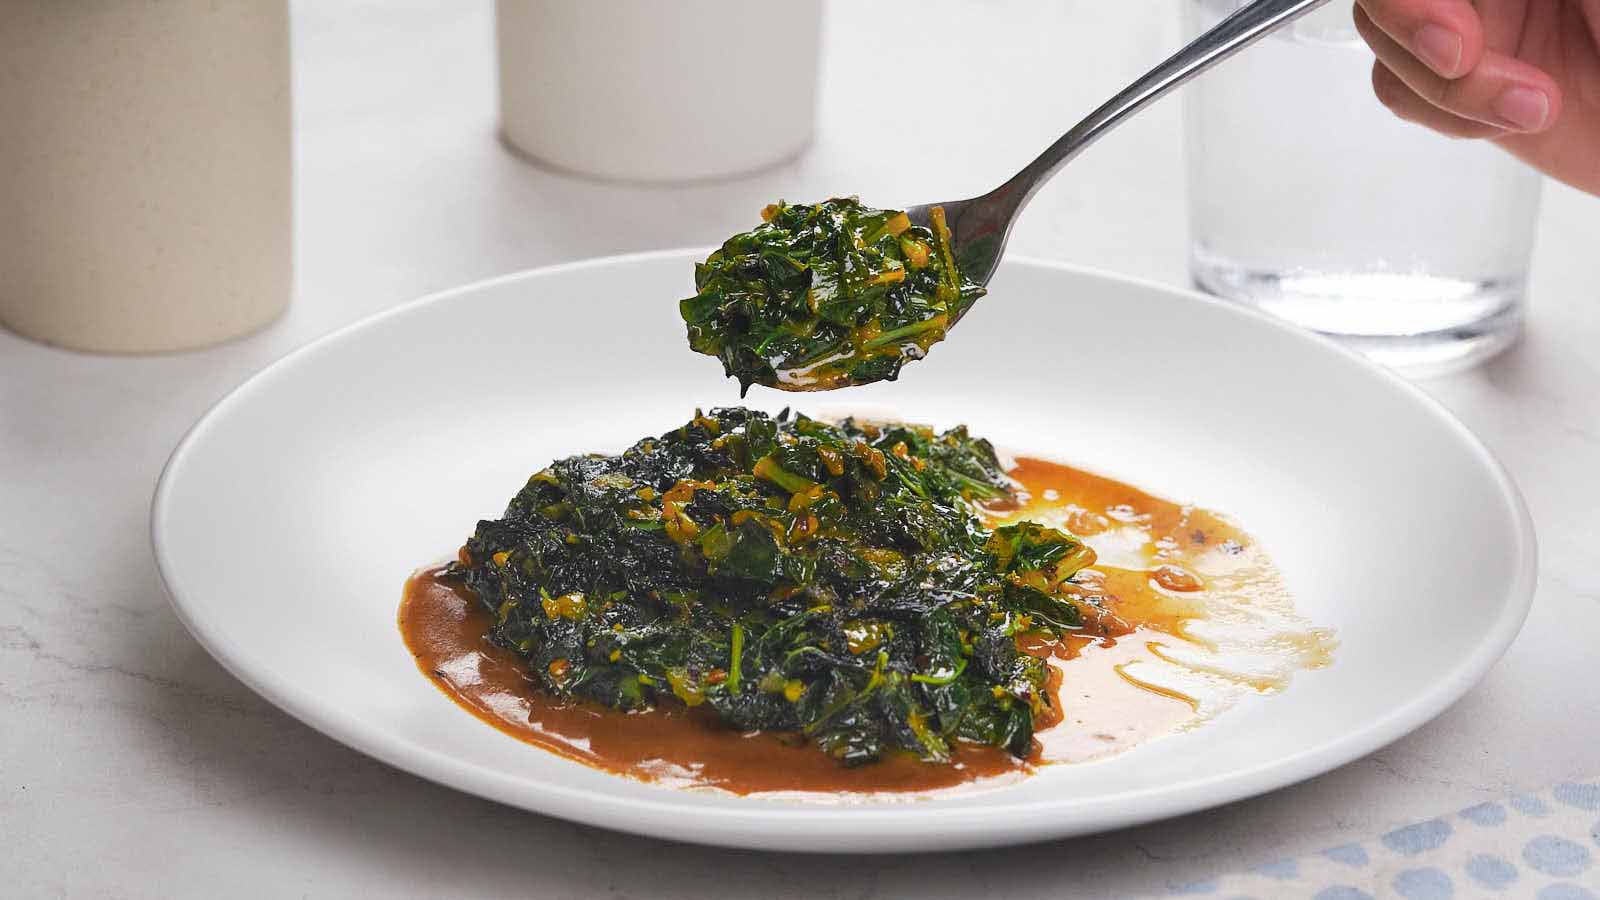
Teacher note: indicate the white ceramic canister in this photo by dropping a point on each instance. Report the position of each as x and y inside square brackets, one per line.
[658, 90]
[145, 171]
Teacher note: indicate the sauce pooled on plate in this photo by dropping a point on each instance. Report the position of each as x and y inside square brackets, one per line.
[1196, 616]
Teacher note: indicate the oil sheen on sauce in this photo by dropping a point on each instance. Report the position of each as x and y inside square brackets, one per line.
[1202, 620]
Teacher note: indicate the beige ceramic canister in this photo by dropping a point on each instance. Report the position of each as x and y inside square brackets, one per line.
[145, 171]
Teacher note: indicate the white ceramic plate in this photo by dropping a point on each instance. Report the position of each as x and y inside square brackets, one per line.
[289, 517]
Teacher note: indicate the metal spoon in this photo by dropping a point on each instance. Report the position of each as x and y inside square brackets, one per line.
[979, 226]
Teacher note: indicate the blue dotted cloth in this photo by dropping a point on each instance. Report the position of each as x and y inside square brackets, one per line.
[1544, 846]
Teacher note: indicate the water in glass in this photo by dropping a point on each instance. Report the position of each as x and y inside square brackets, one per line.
[1310, 200]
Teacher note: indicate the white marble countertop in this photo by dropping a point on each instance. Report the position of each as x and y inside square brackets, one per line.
[132, 764]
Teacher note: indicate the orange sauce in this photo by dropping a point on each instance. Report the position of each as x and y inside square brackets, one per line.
[1165, 569]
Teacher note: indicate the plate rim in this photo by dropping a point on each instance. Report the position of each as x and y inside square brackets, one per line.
[818, 828]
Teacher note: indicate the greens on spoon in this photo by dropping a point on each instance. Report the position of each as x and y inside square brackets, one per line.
[825, 296]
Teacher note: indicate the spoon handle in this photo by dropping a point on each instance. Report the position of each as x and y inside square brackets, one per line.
[1237, 31]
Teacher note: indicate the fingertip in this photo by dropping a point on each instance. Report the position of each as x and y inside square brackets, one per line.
[1445, 35]
[1541, 80]
[1527, 109]
[1556, 102]
[1460, 19]
[1384, 84]
[1392, 92]
[1472, 47]
[1527, 98]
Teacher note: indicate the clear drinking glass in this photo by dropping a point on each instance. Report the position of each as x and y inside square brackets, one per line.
[1310, 200]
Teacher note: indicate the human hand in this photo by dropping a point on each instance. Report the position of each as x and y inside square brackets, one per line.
[1522, 73]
